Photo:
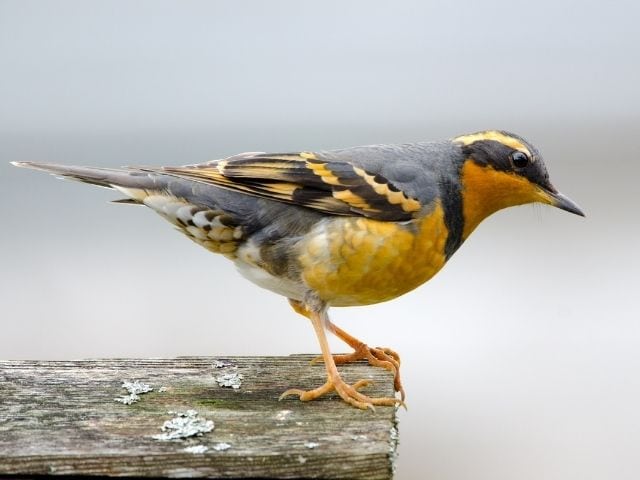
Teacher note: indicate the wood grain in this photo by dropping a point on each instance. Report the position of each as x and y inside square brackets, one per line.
[61, 418]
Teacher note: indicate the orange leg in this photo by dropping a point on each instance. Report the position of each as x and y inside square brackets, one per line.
[349, 393]
[378, 357]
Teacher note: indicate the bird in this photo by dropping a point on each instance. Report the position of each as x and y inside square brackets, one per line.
[336, 228]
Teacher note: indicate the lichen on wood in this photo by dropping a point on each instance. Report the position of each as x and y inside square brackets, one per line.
[59, 417]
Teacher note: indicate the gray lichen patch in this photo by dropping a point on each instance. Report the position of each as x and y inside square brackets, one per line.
[221, 447]
[393, 445]
[184, 425]
[221, 364]
[393, 439]
[134, 388]
[230, 380]
[283, 415]
[196, 449]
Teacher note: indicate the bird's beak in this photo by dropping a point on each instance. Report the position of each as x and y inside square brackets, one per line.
[563, 202]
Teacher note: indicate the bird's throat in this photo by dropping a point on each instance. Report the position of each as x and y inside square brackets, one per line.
[486, 190]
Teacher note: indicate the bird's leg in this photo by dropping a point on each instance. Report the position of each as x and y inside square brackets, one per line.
[376, 356]
[349, 393]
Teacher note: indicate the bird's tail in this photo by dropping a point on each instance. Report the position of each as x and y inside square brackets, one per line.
[132, 182]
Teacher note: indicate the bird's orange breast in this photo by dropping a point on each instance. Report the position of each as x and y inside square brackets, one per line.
[358, 261]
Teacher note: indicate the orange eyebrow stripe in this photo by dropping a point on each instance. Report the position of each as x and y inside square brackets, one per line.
[496, 136]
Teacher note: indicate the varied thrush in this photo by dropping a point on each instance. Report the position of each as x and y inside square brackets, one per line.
[345, 227]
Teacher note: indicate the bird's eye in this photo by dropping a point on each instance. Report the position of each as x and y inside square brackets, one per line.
[519, 159]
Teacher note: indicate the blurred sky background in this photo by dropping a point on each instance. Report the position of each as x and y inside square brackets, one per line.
[520, 359]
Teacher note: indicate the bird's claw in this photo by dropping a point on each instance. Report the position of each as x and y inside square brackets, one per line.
[376, 356]
[349, 393]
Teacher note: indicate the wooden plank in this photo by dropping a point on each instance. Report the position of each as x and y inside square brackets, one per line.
[61, 418]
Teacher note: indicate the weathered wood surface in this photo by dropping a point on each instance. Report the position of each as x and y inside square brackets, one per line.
[61, 418]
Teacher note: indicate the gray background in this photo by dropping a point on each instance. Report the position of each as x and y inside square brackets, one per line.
[520, 358]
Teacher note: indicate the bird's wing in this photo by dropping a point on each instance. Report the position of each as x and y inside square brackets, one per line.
[306, 179]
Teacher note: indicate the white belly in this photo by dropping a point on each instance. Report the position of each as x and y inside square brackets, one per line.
[248, 262]
[264, 279]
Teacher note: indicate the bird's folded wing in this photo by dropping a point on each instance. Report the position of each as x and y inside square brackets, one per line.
[305, 179]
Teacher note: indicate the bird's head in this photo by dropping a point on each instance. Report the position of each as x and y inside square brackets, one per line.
[502, 170]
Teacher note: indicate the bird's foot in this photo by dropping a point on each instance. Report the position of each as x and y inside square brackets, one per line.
[376, 356]
[349, 393]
